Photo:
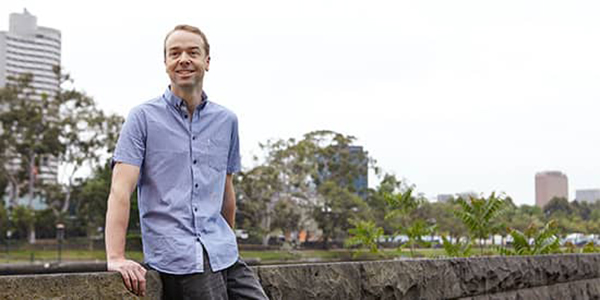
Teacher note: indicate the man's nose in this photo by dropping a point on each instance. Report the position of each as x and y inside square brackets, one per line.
[184, 58]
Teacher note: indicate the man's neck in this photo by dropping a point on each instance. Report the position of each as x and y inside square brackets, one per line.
[192, 97]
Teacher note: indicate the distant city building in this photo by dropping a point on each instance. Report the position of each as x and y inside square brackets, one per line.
[359, 158]
[548, 185]
[361, 182]
[587, 195]
[27, 48]
[443, 198]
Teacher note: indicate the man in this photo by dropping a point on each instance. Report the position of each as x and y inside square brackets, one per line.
[180, 149]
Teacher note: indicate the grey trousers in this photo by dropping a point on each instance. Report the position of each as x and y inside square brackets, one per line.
[235, 282]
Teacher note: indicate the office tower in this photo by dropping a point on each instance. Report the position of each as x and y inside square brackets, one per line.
[548, 185]
[587, 195]
[27, 48]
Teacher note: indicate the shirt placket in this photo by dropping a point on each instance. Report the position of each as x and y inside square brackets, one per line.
[193, 124]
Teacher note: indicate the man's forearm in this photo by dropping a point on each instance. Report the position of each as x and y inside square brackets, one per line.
[228, 212]
[117, 218]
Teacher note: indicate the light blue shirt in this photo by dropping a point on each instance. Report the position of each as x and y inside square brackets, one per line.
[183, 166]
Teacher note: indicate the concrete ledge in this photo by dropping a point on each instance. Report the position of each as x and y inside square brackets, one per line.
[429, 279]
[102, 285]
[574, 276]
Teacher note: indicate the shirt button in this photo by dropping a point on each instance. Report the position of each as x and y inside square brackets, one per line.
[193, 138]
[194, 161]
[185, 116]
[196, 185]
[198, 239]
[195, 209]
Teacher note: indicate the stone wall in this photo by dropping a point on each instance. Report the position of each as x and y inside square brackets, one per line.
[575, 276]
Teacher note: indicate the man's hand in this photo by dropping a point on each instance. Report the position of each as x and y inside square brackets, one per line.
[134, 275]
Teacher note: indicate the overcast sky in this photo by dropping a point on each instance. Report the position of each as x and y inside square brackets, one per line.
[453, 96]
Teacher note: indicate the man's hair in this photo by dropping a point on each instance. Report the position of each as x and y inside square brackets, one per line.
[192, 29]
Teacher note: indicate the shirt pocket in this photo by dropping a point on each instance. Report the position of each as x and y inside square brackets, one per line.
[218, 152]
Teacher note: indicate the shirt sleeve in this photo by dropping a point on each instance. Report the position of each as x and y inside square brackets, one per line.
[233, 159]
[131, 145]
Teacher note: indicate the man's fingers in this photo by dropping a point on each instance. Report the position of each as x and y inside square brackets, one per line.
[141, 275]
[125, 276]
[134, 281]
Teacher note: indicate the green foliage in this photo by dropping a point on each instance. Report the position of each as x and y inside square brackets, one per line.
[3, 220]
[339, 206]
[45, 224]
[570, 248]
[401, 203]
[457, 249]
[365, 234]
[22, 219]
[534, 241]
[287, 216]
[590, 248]
[415, 233]
[314, 177]
[478, 215]
[557, 205]
[378, 206]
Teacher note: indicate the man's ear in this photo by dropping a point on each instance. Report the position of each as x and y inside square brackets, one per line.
[207, 63]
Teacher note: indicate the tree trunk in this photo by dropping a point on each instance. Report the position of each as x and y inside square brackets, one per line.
[31, 178]
[326, 241]
[67, 202]
[32, 232]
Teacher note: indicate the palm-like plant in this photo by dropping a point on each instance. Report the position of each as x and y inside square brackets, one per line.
[457, 249]
[534, 241]
[415, 234]
[365, 234]
[401, 203]
[477, 214]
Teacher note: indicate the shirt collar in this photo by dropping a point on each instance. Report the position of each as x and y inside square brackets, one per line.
[179, 103]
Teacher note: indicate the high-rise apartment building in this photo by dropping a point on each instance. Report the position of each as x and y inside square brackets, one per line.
[587, 195]
[27, 48]
[548, 185]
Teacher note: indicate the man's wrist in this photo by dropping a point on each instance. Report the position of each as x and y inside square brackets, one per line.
[115, 257]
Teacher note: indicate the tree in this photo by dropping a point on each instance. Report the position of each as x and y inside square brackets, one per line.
[3, 220]
[85, 132]
[30, 133]
[90, 200]
[378, 205]
[337, 208]
[22, 218]
[305, 173]
[287, 217]
[448, 223]
[257, 193]
[556, 205]
[478, 215]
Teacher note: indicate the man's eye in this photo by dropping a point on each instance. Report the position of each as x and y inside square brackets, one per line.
[173, 54]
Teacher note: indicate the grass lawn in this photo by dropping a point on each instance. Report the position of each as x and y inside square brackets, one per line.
[264, 257]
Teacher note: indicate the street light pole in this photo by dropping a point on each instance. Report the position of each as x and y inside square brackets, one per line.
[8, 235]
[60, 235]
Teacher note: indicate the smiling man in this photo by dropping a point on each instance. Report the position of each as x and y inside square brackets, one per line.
[180, 150]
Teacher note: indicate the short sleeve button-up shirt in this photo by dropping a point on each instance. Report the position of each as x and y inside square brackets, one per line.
[183, 160]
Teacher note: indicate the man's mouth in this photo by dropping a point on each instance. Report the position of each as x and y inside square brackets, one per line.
[184, 72]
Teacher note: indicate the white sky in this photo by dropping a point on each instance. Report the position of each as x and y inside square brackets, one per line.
[451, 95]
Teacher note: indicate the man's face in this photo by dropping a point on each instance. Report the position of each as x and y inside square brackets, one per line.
[185, 59]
